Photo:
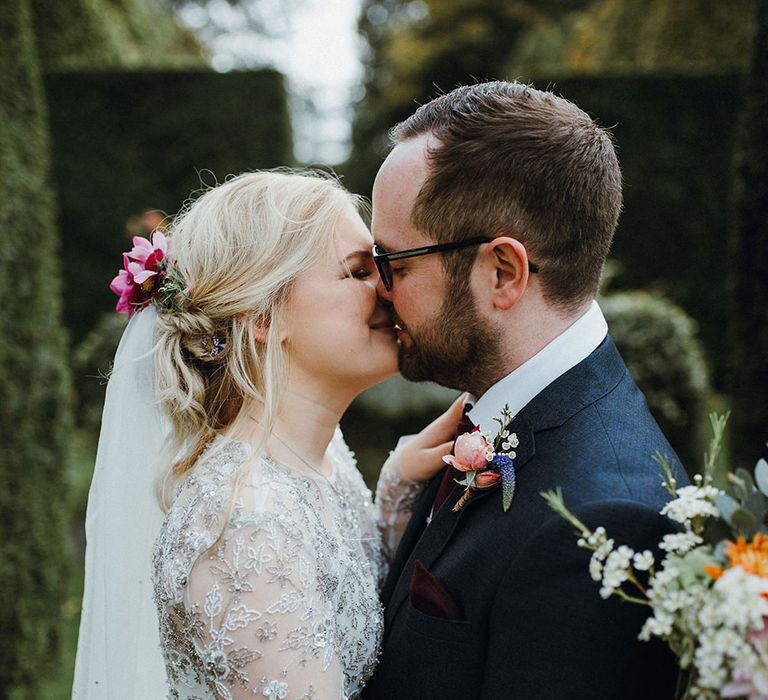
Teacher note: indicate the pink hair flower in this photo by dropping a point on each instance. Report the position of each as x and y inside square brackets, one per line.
[144, 268]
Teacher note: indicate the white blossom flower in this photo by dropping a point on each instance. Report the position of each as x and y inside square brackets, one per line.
[717, 627]
[737, 600]
[691, 502]
[658, 625]
[616, 569]
[605, 549]
[596, 568]
[680, 542]
[643, 561]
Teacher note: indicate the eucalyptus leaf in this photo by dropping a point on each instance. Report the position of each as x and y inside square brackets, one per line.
[726, 505]
[747, 481]
[744, 522]
[508, 490]
[761, 476]
[720, 552]
[715, 531]
[757, 505]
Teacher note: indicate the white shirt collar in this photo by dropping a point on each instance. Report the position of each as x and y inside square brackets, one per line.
[516, 390]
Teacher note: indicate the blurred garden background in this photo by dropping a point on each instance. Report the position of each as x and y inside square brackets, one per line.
[113, 111]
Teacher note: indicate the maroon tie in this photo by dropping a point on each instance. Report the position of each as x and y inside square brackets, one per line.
[450, 473]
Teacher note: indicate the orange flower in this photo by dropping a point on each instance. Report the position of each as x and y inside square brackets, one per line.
[713, 571]
[750, 556]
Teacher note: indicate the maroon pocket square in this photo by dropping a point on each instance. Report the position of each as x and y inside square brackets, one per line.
[429, 597]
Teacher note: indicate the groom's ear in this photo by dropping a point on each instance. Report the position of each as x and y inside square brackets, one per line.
[510, 271]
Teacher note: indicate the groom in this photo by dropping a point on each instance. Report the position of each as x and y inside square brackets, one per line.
[493, 216]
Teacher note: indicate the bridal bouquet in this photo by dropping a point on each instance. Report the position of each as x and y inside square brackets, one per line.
[708, 596]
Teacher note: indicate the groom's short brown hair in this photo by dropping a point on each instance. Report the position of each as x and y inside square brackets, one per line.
[514, 160]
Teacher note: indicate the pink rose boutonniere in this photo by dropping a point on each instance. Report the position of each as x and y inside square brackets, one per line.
[486, 461]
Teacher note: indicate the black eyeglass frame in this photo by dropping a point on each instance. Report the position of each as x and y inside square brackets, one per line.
[383, 260]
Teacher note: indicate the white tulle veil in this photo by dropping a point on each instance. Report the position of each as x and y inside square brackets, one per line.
[118, 650]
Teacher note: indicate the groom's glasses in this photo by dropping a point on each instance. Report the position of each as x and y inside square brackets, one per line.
[383, 259]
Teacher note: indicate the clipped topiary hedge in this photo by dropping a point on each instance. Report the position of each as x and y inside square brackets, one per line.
[78, 35]
[675, 137]
[748, 252]
[127, 142]
[34, 376]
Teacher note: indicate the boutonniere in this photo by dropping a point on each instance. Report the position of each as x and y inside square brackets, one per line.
[486, 461]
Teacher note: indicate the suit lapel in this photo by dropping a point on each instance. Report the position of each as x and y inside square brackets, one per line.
[429, 542]
[579, 387]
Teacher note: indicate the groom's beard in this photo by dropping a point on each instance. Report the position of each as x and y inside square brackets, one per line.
[457, 349]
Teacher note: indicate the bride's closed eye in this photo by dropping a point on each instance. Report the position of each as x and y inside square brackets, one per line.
[358, 265]
[361, 273]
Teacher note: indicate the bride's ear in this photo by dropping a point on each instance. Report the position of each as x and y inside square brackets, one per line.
[261, 328]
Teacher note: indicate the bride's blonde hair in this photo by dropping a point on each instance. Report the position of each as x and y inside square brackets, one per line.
[239, 247]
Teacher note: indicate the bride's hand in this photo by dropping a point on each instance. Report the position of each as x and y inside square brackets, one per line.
[419, 457]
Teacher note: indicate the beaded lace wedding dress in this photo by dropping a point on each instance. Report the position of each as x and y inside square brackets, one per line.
[271, 591]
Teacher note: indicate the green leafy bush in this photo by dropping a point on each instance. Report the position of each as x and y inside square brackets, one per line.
[659, 343]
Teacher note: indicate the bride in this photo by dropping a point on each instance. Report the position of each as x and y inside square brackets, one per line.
[254, 326]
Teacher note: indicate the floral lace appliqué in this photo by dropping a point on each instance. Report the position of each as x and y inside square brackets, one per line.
[284, 602]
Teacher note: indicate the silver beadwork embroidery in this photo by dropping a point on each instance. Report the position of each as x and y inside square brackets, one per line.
[285, 603]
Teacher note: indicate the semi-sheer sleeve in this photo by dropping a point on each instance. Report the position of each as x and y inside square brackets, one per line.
[264, 628]
[395, 499]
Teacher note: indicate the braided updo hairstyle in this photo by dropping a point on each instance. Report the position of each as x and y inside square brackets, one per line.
[239, 246]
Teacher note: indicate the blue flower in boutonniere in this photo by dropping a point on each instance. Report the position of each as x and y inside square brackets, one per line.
[485, 460]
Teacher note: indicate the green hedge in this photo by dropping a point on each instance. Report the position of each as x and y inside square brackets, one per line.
[749, 264]
[116, 34]
[34, 379]
[127, 142]
[675, 142]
